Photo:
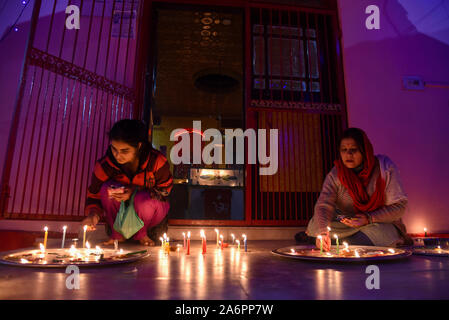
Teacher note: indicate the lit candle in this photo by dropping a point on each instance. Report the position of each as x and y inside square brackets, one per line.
[203, 238]
[98, 250]
[184, 236]
[84, 236]
[425, 232]
[87, 247]
[162, 241]
[321, 245]
[63, 236]
[188, 243]
[328, 229]
[216, 230]
[356, 252]
[233, 238]
[346, 246]
[391, 250]
[245, 242]
[238, 244]
[72, 250]
[336, 238]
[42, 248]
[45, 237]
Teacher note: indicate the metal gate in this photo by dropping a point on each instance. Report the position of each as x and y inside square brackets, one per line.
[75, 84]
[295, 85]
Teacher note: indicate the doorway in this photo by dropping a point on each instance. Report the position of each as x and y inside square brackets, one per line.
[198, 76]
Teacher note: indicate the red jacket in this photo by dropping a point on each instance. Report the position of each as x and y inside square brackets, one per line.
[153, 174]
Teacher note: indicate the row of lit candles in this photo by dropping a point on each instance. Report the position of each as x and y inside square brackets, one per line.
[165, 241]
[64, 229]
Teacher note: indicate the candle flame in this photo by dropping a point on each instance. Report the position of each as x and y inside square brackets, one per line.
[45, 228]
[356, 253]
[121, 251]
[85, 228]
[24, 260]
[165, 236]
[216, 230]
[328, 228]
[238, 241]
[160, 238]
[221, 236]
[232, 235]
[244, 236]
[391, 250]
[425, 229]
[439, 247]
[320, 237]
[292, 250]
[335, 236]
[183, 234]
[72, 250]
[202, 234]
[188, 234]
[64, 228]
[87, 245]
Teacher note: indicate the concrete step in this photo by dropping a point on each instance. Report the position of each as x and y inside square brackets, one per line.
[174, 232]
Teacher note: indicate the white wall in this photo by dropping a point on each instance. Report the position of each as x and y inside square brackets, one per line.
[412, 127]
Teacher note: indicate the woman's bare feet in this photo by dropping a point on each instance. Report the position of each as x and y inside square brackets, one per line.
[111, 242]
[146, 241]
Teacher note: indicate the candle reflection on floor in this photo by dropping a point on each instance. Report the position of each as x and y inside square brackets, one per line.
[328, 284]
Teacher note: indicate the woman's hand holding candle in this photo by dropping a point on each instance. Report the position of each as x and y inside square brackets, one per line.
[326, 241]
[91, 221]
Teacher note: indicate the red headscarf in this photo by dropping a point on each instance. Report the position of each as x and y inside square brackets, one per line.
[356, 183]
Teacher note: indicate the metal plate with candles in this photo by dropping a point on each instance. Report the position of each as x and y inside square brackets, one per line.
[344, 254]
[61, 258]
[438, 252]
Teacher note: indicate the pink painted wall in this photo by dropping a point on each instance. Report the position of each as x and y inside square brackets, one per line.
[411, 127]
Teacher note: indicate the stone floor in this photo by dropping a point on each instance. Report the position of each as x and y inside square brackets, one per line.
[256, 274]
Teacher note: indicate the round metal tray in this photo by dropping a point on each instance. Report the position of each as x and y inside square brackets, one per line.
[60, 258]
[431, 252]
[367, 253]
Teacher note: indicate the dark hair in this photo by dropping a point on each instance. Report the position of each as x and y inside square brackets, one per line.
[131, 132]
[357, 135]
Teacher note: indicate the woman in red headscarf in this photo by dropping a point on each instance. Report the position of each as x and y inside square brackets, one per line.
[362, 199]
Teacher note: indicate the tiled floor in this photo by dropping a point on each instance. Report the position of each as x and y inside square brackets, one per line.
[257, 274]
